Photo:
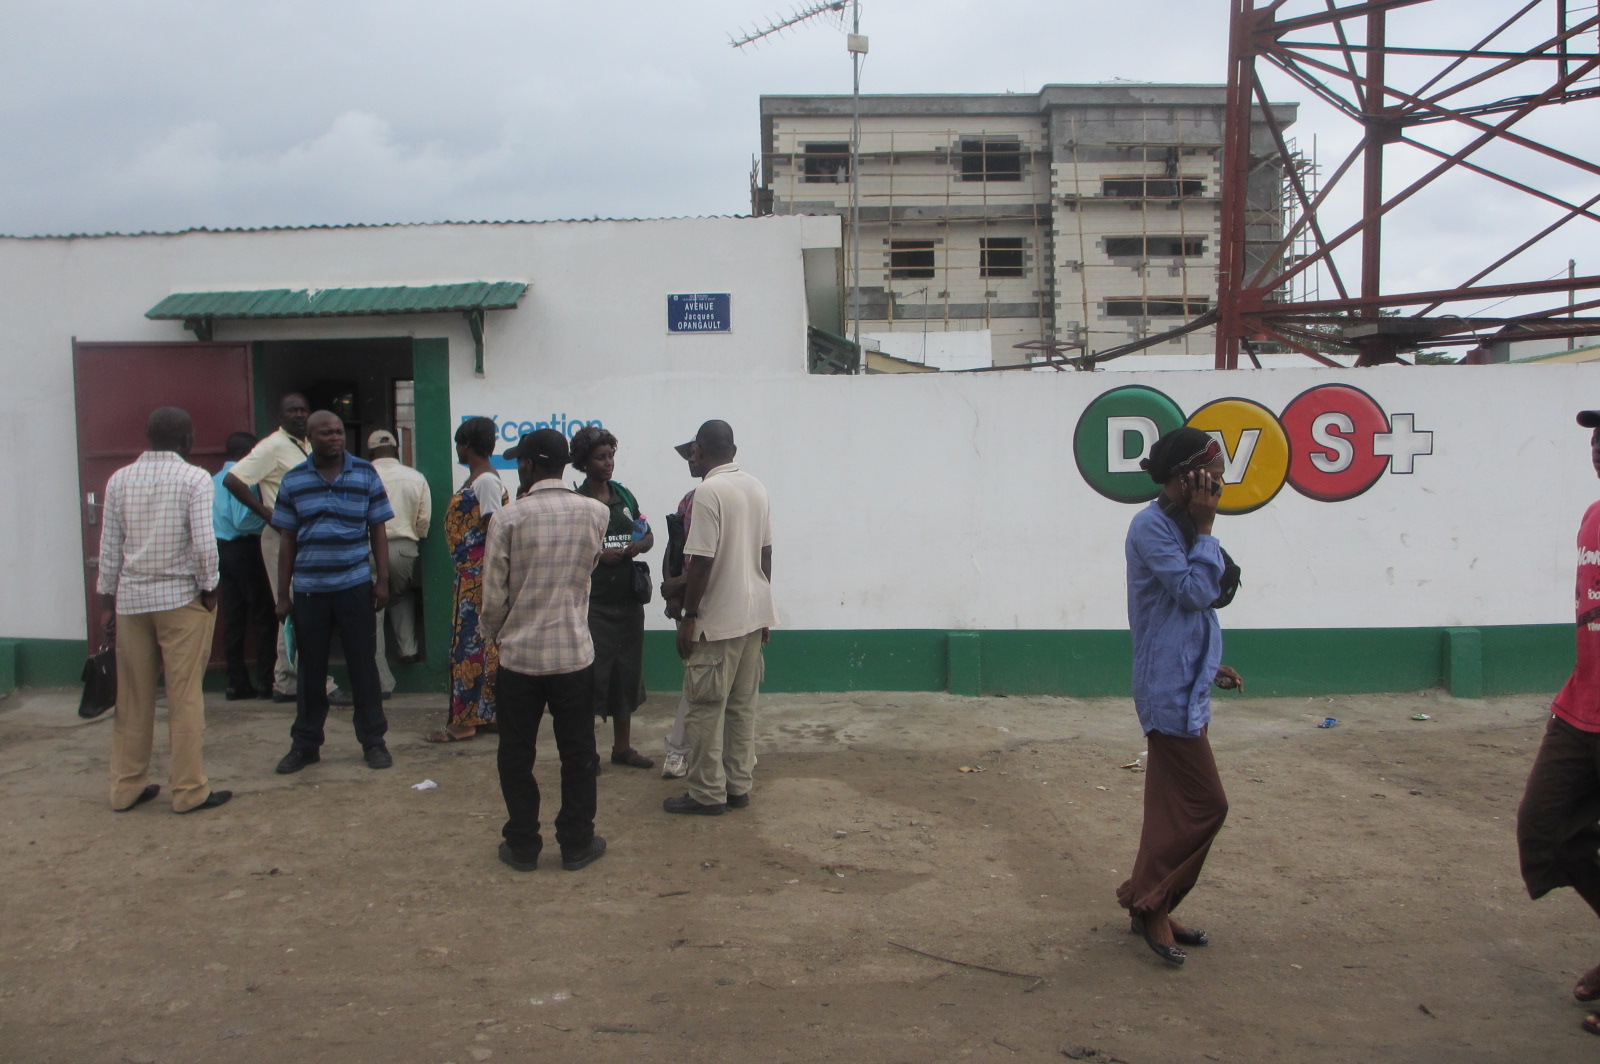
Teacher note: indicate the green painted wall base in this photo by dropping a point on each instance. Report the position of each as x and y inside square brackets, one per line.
[10, 659]
[1469, 662]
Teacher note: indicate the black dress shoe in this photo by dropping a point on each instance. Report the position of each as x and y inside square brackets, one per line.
[239, 694]
[520, 864]
[149, 792]
[280, 697]
[379, 757]
[684, 803]
[297, 759]
[632, 758]
[585, 857]
[739, 801]
[1170, 954]
[214, 799]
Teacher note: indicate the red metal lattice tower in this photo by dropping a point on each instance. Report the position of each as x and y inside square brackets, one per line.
[1409, 90]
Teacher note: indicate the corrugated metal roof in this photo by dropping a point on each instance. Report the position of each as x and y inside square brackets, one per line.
[197, 230]
[340, 302]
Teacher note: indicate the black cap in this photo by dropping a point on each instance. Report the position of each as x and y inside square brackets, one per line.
[1589, 419]
[684, 449]
[542, 445]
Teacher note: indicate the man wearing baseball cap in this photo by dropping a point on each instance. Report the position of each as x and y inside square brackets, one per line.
[413, 511]
[722, 628]
[536, 565]
[1558, 836]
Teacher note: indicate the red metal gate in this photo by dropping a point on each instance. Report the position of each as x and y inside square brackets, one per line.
[116, 387]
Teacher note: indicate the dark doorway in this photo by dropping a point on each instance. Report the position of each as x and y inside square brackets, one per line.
[368, 383]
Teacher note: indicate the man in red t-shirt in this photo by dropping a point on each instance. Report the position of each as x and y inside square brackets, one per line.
[1558, 822]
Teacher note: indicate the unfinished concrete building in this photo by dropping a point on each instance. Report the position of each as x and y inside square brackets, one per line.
[1082, 214]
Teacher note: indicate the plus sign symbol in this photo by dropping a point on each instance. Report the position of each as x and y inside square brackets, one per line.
[1342, 441]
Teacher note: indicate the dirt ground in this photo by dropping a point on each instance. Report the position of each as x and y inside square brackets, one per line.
[1363, 899]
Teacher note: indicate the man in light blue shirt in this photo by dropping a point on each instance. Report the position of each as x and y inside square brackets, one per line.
[246, 595]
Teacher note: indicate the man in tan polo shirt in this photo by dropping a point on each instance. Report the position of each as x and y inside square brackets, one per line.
[264, 468]
[413, 513]
[727, 611]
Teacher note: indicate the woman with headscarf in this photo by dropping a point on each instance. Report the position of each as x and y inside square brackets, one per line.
[473, 659]
[1177, 575]
[616, 616]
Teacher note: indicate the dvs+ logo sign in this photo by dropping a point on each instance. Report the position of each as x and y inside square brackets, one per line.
[1331, 443]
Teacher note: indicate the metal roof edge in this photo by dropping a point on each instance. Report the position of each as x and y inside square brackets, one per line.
[206, 230]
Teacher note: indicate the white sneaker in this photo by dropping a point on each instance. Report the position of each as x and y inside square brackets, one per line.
[675, 767]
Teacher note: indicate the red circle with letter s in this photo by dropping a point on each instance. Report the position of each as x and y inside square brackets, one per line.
[1331, 429]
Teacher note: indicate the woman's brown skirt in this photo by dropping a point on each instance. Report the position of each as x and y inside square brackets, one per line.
[1184, 808]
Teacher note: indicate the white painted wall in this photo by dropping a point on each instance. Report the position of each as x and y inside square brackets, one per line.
[907, 501]
[596, 310]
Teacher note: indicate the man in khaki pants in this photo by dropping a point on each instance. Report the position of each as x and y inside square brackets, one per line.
[727, 610]
[158, 582]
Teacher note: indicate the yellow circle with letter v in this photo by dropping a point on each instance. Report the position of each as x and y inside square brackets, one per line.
[1255, 451]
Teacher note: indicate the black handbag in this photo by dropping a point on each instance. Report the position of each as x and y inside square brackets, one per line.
[99, 682]
[642, 588]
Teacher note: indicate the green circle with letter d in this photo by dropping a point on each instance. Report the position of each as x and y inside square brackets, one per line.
[1114, 432]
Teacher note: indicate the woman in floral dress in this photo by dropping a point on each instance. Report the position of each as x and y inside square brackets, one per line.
[473, 660]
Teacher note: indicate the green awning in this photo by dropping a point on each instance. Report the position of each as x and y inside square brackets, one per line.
[340, 302]
[199, 311]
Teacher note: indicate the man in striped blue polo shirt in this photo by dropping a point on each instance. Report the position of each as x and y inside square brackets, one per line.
[330, 514]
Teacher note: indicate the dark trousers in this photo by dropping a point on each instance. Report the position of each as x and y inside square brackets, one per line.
[520, 703]
[246, 604]
[1557, 835]
[316, 615]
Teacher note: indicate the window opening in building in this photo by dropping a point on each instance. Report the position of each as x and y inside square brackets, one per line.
[983, 159]
[827, 163]
[1152, 187]
[1156, 308]
[910, 259]
[1001, 256]
[1155, 247]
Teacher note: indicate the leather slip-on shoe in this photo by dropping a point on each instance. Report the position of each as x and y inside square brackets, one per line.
[297, 759]
[585, 857]
[214, 799]
[683, 803]
[378, 756]
[739, 801]
[508, 856]
[149, 792]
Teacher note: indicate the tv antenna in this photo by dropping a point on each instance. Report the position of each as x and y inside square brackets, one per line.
[857, 45]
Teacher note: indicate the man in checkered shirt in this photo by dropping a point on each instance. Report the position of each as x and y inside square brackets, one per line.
[536, 565]
[158, 582]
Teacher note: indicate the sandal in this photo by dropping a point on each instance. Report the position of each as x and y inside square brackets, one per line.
[632, 758]
[445, 735]
[1591, 1024]
[1587, 988]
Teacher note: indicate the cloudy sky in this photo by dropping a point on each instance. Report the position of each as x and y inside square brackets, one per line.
[171, 114]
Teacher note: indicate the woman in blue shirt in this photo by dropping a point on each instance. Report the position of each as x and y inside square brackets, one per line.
[1175, 576]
